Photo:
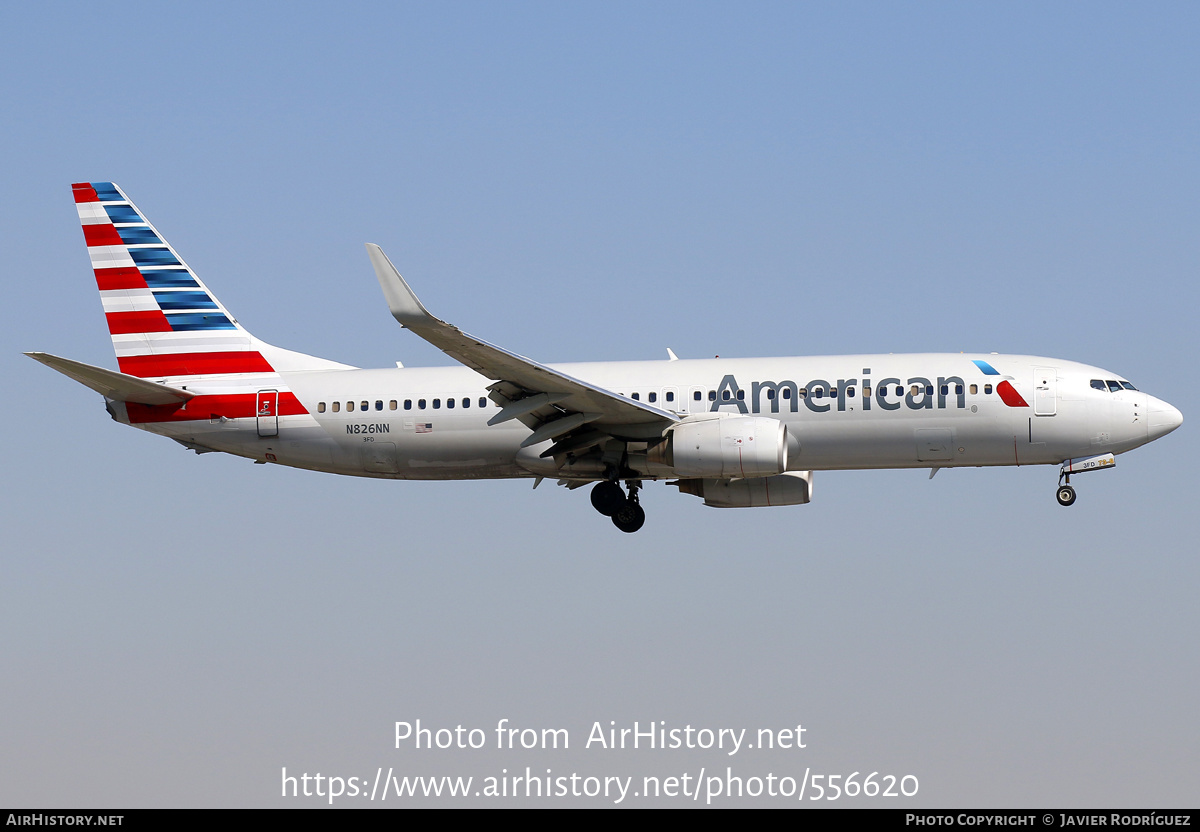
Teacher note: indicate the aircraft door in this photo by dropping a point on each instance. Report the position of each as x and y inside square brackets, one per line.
[1045, 391]
[266, 409]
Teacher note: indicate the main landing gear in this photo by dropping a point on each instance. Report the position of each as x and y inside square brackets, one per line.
[626, 512]
[1065, 493]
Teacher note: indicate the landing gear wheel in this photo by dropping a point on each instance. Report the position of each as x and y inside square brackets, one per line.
[608, 498]
[630, 517]
[1066, 495]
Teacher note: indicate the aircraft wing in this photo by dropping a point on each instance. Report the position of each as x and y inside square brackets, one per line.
[116, 386]
[550, 402]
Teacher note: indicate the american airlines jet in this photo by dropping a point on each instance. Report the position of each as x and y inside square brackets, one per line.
[735, 432]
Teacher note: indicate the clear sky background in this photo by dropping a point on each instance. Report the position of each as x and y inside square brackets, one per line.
[603, 181]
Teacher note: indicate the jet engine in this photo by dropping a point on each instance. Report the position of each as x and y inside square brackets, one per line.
[731, 446]
[788, 489]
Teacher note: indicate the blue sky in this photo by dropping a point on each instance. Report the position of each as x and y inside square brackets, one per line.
[603, 181]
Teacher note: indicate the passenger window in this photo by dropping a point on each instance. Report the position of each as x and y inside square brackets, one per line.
[741, 395]
[802, 393]
[365, 406]
[349, 407]
[712, 395]
[945, 389]
[1114, 386]
[449, 403]
[320, 407]
[787, 392]
[392, 404]
[899, 390]
[958, 389]
[916, 388]
[635, 396]
[771, 394]
[987, 389]
[420, 404]
[725, 395]
[849, 391]
[929, 390]
[818, 393]
[466, 401]
[670, 395]
[379, 404]
[1097, 384]
[337, 406]
[974, 389]
[653, 397]
[408, 404]
[866, 391]
[483, 401]
[437, 404]
[696, 395]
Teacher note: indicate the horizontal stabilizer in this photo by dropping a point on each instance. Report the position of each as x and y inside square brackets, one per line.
[116, 386]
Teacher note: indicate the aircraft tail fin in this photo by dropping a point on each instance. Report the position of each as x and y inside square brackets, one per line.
[164, 322]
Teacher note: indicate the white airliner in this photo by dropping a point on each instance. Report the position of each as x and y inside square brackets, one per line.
[736, 432]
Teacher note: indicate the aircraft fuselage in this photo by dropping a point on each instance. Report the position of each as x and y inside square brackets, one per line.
[844, 412]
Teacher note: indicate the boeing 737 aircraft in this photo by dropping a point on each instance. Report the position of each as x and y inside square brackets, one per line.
[735, 432]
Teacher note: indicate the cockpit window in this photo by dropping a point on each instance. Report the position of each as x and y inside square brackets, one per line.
[1097, 384]
[1113, 386]
[1128, 386]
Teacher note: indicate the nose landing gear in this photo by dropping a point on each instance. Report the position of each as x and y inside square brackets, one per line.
[1080, 465]
[626, 512]
[1065, 493]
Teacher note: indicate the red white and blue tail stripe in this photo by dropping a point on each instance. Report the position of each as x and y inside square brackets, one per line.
[163, 320]
[166, 326]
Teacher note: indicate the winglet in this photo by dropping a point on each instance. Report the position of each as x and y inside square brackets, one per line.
[401, 301]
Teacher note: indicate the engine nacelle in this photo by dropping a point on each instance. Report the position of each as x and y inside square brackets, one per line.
[792, 488]
[731, 446]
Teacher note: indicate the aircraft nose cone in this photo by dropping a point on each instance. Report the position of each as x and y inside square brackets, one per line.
[1163, 418]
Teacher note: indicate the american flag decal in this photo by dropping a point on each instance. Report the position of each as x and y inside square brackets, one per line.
[424, 427]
